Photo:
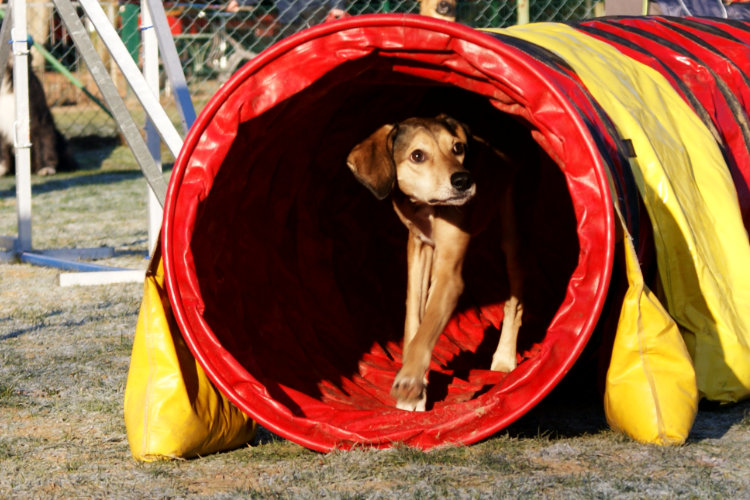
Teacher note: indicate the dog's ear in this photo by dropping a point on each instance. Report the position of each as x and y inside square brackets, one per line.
[372, 162]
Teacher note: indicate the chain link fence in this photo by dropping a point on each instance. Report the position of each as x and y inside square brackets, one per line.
[215, 38]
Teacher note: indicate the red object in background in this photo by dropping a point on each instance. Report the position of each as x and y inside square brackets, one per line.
[175, 25]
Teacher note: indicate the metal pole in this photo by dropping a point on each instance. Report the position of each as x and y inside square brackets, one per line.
[151, 74]
[21, 141]
[522, 8]
[172, 65]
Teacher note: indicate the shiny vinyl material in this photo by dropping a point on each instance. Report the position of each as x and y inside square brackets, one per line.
[171, 408]
[287, 278]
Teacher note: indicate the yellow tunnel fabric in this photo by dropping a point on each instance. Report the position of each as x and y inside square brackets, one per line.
[702, 246]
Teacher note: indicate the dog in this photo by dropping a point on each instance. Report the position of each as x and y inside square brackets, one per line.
[50, 151]
[419, 162]
[441, 9]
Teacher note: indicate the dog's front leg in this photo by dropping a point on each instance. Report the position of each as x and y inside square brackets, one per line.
[419, 265]
[504, 359]
[446, 285]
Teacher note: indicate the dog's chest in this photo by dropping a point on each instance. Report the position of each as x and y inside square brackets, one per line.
[418, 219]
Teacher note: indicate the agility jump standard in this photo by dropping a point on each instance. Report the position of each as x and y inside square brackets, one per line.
[159, 123]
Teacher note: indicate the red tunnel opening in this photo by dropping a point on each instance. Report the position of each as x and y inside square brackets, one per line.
[287, 277]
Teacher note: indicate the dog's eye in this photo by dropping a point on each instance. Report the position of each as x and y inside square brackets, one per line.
[459, 148]
[417, 156]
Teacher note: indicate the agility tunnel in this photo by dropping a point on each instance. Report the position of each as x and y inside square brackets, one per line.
[286, 278]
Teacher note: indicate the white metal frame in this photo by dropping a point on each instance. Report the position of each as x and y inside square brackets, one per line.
[21, 143]
[146, 88]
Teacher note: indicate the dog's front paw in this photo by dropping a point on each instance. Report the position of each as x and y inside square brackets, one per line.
[47, 171]
[410, 392]
[503, 363]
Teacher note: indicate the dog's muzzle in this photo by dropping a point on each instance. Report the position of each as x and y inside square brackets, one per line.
[462, 181]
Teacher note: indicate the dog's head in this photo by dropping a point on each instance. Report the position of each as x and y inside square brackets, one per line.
[441, 9]
[424, 156]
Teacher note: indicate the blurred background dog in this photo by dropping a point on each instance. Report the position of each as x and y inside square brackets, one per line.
[50, 151]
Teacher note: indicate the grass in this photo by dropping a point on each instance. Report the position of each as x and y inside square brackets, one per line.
[64, 356]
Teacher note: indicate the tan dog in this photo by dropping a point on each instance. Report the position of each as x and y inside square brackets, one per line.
[441, 9]
[420, 161]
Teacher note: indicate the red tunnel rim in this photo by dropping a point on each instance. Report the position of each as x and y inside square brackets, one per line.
[453, 30]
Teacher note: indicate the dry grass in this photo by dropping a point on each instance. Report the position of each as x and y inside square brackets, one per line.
[64, 354]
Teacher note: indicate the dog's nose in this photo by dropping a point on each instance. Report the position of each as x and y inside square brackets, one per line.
[446, 8]
[461, 180]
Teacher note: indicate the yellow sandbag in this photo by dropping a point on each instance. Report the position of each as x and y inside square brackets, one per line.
[171, 408]
[651, 393]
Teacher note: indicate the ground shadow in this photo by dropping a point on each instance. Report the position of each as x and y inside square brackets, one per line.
[714, 420]
[574, 408]
[90, 152]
